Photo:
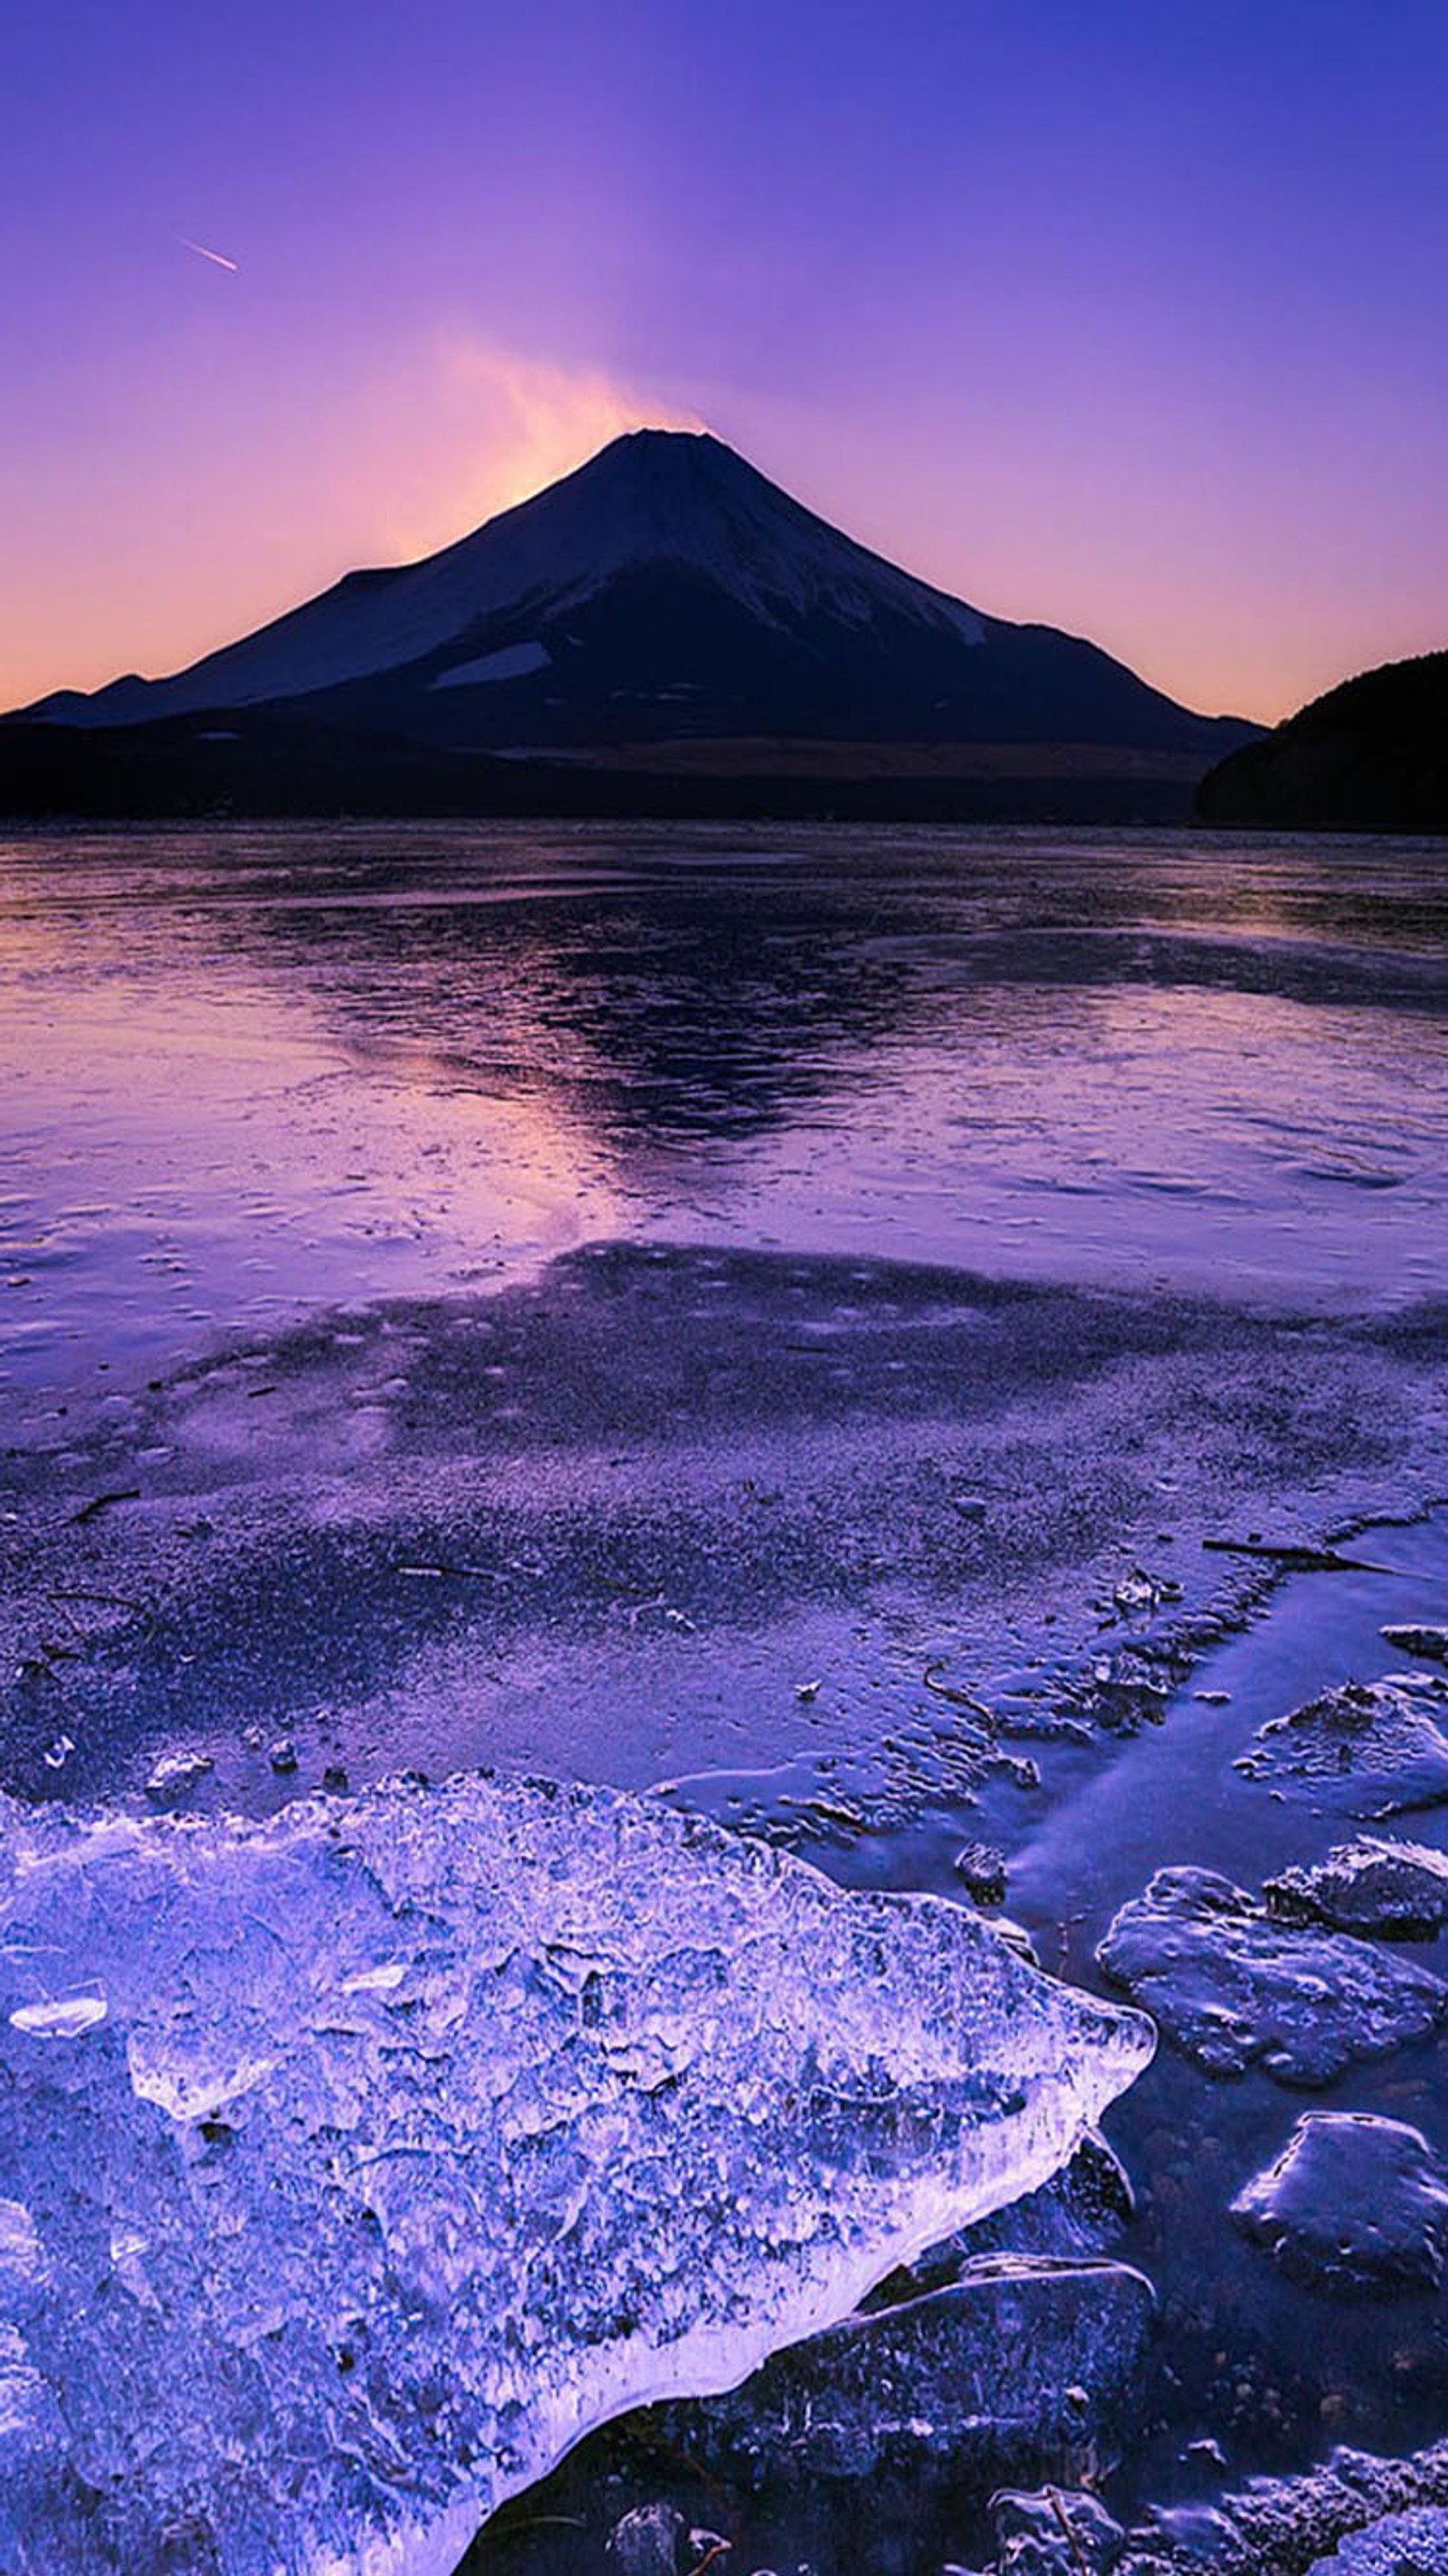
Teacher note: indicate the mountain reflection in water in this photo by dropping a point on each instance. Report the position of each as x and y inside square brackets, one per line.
[251, 1070]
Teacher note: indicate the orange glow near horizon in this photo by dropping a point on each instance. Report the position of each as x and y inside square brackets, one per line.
[456, 431]
[213, 525]
[1116, 322]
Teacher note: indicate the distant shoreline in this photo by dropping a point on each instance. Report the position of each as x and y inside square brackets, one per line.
[257, 766]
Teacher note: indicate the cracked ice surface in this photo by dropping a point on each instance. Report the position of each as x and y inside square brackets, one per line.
[352, 2164]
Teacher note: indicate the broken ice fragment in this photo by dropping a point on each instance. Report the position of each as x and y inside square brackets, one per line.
[176, 1773]
[1136, 1593]
[645, 2102]
[1354, 2204]
[69, 2017]
[1232, 1986]
[983, 1870]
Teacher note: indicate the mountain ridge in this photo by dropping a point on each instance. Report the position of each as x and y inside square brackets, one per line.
[654, 507]
[663, 596]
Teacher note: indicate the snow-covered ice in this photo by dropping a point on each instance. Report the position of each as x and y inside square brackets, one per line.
[354, 2163]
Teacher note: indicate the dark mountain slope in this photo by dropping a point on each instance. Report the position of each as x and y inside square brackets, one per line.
[1371, 756]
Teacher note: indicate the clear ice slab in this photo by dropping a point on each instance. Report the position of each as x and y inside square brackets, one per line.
[1024, 2363]
[354, 2163]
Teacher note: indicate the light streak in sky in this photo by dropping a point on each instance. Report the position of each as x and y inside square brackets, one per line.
[215, 256]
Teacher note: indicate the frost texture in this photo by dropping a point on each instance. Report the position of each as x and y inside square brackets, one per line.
[354, 2163]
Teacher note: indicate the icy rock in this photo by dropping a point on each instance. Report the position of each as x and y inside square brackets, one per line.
[1373, 1748]
[1290, 2526]
[1354, 2205]
[1231, 1986]
[1398, 1890]
[646, 2541]
[375, 2151]
[1054, 2532]
[982, 1871]
[1430, 1643]
[1023, 2365]
[1403, 2544]
[177, 1773]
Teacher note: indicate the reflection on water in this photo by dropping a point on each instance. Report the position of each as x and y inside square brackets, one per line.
[249, 1070]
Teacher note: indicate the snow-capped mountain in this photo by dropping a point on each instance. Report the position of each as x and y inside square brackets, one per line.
[666, 591]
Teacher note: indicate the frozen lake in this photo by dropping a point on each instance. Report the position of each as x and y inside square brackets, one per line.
[252, 1071]
[844, 1329]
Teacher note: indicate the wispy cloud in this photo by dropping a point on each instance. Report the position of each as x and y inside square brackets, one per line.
[500, 425]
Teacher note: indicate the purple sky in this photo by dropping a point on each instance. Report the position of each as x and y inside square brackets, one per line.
[1128, 317]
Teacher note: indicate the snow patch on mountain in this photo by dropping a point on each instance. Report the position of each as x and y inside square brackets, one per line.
[510, 662]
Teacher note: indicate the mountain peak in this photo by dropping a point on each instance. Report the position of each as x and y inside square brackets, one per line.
[652, 498]
[665, 588]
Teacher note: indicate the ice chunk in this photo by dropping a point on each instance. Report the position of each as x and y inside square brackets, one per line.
[177, 1773]
[1232, 1986]
[1354, 2204]
[1430, 1643]
[1374, 1748]
[1398, 1890]
[983, 1870]
[1023, 2365]
[424, 2130]
[59, 2016]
